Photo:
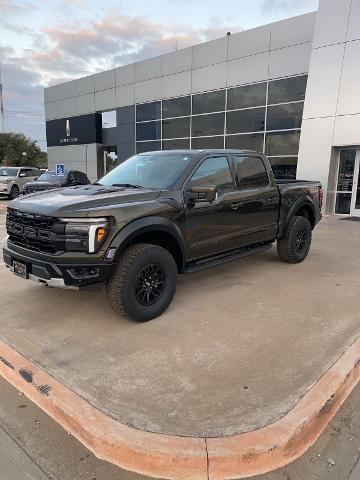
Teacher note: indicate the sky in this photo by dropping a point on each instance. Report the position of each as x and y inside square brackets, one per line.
[45, 42]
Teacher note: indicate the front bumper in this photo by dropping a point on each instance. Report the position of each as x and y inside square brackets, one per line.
[59, 274]
[4, 189]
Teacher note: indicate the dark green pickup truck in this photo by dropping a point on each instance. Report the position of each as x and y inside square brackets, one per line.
[154, 216]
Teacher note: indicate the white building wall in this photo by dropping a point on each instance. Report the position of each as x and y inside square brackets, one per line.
[332, 104]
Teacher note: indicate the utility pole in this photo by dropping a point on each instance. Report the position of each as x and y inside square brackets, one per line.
[1, 103]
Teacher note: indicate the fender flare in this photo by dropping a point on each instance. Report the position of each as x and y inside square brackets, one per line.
[143, 225]
[301, 202]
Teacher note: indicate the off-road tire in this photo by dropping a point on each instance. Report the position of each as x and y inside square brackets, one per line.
[121, 286]
[288, 246]
[14, 192]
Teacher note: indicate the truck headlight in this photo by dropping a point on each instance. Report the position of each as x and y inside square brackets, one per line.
[87, 234]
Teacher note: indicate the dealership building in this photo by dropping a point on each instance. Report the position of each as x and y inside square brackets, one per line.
[289, 89]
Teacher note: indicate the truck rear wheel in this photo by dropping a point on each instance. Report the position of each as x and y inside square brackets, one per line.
[143, 283]
[14, 192]
[295, 245]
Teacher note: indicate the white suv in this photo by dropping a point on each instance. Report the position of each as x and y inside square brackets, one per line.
[13, 179]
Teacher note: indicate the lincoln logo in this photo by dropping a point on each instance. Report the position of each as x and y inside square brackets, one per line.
[68, 128]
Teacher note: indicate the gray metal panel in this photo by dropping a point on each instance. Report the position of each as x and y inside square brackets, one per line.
[148, 90]
[67, 90]
[349, 98]
[290, 61]
[211, 52]
[52, 110]
[177, 61]
[248, 69]
[85, 103]
[51, 94]
[293, 31]
[176, 85]
[125, 95]
[125, 75]
[354, 21]
[125, 115]
[104, 80]
[126, 133]
[347, 130]
[147, 69]
[110, 136]
[84, 85]
[332, 22]
[105, 100]
[209, 78]
[125, 150]
[249, 42]
[67, 108]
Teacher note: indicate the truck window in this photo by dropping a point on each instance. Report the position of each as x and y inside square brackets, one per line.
[251, 172]
[213, 171]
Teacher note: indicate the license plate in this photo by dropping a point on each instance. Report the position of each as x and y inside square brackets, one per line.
[20, 269]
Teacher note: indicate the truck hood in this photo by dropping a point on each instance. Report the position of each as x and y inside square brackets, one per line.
[81, 201]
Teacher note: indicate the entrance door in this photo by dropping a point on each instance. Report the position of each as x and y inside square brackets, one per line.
[355, 197]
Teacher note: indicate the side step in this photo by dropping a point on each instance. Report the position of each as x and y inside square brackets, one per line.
[225, 258]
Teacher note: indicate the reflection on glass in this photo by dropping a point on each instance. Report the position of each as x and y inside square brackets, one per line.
[207, 142]
[176, 128]
[180, 143]
[177, 107]
[287, 90]
[251, 172]
[346, 170]
[242, 121]
[213, 171]
[282, 143]
[247, 96]
[255, 141]
[284, 167]
[357, 199]
[148, 131]
[148, 111]
[209, 102]
[284, 117]
[343, 203]
[204, 125]
[147, 146]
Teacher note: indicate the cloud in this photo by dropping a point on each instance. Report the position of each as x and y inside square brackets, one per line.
[286, 6]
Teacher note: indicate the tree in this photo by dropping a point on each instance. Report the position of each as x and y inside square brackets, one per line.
[17, 150]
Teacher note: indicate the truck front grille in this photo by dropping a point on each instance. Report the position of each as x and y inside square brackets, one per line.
[35, 232]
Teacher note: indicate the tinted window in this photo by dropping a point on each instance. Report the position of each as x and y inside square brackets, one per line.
[148, 111]
[287, 90]
[52, 177]
[284, 117]
[284, 167]
[8, 172]
[209, 102]
[147, 146]
[242, 121]
[148, 131]
[213, 171]
[204, 125]
[180, 143]
[343, 203]
[176, 107]
[80, 178]
[207, 142]
[247, 96]
[176, 128]
[28, 172]
[251, 172]
[254, 141]
[282, 143]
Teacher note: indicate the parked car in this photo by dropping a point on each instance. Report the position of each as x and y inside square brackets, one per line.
[49, 180]
[156, 215]
[13, 179]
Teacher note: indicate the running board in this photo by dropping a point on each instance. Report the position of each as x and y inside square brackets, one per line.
[225, 258]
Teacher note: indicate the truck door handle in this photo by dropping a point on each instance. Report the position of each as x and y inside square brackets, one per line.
[236, 206]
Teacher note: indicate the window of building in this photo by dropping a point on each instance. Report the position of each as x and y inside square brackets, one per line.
[207, 142]
[213, 171]
[287, 90]
[176, 107]
[148, 111]
[284, 167]
[176, 127]
[209, 102]
[179, 143]
[242, 121]
[147, 146]
[206, 125]
[282, 143]
[284, 117]
[247, 96]
[148, 131]
[254, 141]
[109, 119]
[250, 172]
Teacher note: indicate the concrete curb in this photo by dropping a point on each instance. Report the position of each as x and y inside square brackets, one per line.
[175, 457]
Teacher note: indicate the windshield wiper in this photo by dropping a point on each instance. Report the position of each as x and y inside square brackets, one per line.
[126, 185]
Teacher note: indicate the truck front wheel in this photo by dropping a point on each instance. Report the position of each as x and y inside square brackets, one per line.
[143, 283]
[296, 242]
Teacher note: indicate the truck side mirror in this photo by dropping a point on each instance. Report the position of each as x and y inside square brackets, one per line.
[201, 194]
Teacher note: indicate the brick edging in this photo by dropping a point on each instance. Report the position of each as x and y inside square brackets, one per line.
[175, 457]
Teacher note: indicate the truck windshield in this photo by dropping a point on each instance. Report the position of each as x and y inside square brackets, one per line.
[151, 171]
[8, 172]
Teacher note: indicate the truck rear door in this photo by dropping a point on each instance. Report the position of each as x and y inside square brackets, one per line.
[259, 199]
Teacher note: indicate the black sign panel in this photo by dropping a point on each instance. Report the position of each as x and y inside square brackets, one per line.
[74, 130]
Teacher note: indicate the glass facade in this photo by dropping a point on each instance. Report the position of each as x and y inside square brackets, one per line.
[265, 117]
